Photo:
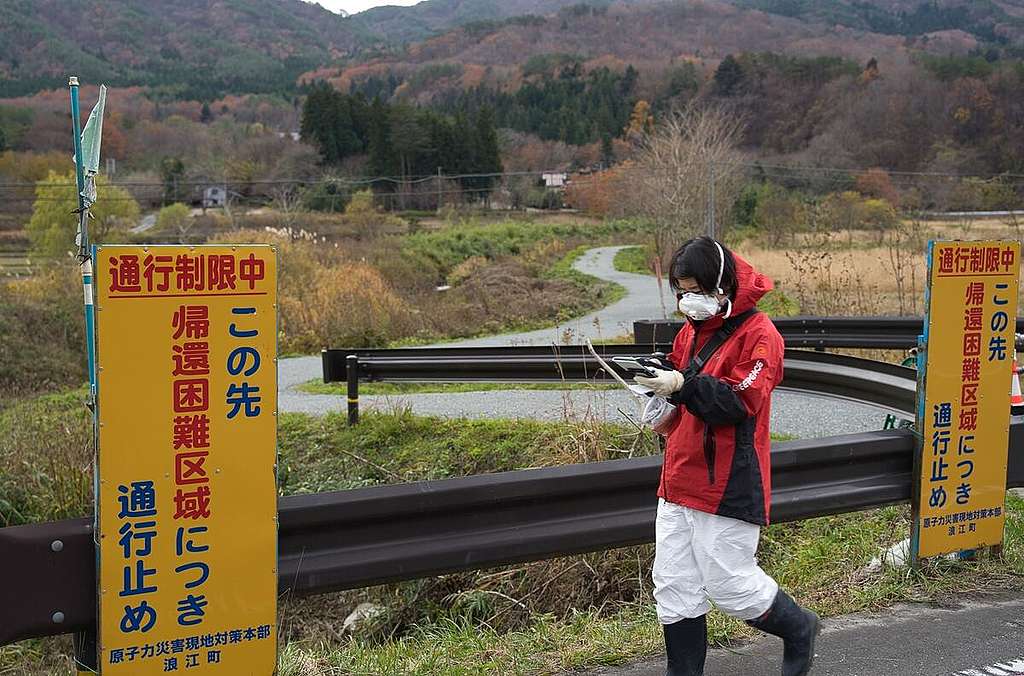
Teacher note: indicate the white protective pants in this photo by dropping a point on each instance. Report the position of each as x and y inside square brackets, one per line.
[700, 557]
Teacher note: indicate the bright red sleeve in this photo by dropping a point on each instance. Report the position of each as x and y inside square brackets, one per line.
[758, 370]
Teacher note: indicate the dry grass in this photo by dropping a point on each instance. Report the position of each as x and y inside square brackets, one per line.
[849, 273]
[551, 218]
[851, 282]
[373, 293]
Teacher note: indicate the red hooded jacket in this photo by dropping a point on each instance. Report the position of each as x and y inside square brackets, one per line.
[717, 454]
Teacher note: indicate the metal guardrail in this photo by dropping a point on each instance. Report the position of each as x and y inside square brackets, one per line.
[363, 537]
[865, 381]
[817, 332]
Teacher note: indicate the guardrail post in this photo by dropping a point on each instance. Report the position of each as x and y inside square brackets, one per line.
[352, 376]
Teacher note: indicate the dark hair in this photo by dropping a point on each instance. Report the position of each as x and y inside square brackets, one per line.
[698, 258]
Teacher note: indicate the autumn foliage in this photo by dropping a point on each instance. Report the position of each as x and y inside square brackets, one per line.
[599, 193]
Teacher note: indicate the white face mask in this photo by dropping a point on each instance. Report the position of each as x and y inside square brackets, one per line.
[698, 306]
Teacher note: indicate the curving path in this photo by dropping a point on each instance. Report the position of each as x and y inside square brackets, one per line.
[792, 414]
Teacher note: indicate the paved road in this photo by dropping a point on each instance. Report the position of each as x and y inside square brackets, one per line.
[981, 637]
[790, 414]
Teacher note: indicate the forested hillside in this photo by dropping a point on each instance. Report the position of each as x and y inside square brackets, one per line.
[221, 85]
[188, 49]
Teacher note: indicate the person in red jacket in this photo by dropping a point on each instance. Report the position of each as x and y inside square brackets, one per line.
[715, 490]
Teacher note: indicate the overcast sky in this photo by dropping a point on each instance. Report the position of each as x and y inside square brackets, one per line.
[353, 6]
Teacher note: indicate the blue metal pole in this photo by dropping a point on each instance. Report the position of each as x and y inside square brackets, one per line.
[83, 246]
[76, 126]
[85, 642]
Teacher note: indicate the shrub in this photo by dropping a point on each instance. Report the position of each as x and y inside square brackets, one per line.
[364, 218]
[779, 214]
[777, 304]
[465, 269]
[877, 183]
[348, 305]
[52, 227]
[879, 216]
[330, 196]
[45, 459]
[973, 194]
[42, 335]
[544, 198]
[175, 219]
[325, 299]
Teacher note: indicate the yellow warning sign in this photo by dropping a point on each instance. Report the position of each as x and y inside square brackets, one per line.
[965, 412]
[186, 497]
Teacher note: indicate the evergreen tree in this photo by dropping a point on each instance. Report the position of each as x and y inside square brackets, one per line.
[359, 111]
[172, 172]
[607, 150]
[409, 141]
[317, 124]
[729, 76]
[334, 123]
[461, 145]
[383, 161]
[346, 141]
[485, 151]
[628, 81]
[205, 116]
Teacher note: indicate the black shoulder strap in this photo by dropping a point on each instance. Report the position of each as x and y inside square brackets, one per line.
[728, 328]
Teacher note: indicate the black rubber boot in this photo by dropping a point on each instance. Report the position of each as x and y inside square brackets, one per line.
[798, 628]
[686, 646]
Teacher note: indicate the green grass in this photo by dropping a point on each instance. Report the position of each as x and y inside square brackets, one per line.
[325, 454]
[445, 249]
[370, 389]
[635, 259]
[45, 458]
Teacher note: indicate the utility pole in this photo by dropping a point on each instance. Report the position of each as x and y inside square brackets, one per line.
[439, 190]
[711, 201]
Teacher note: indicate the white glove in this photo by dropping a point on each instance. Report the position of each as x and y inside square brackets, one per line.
[663, 384]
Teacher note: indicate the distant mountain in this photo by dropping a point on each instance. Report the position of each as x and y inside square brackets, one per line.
[185, 48]
[204, 49]
[654, 37]
[988, 20]
[401, 25]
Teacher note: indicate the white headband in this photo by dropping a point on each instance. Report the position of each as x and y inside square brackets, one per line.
[721, 267]
[721, 271]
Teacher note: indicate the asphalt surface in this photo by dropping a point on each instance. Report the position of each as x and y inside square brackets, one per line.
[980, 637]
[796, 415]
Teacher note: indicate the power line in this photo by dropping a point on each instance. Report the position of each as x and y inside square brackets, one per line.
[419, 179]
[890, 172]
[422, 178]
